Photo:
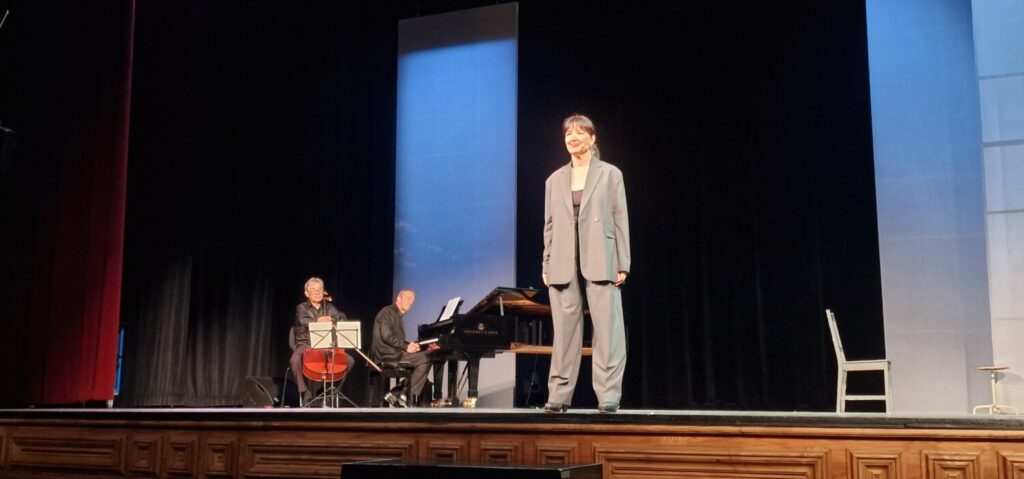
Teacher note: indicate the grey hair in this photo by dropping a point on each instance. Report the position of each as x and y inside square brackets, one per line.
[312, 281]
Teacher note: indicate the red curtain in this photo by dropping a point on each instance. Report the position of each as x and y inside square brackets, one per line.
[70, 325]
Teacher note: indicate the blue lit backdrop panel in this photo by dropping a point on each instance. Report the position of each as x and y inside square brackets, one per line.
[926, 131]
[455, 190]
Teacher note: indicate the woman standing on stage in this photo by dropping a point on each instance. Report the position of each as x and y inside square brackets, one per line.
[586, 244]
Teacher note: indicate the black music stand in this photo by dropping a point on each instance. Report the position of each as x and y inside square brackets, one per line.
[329, 338]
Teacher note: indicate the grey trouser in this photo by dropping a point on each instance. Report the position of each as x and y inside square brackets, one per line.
[609, 341]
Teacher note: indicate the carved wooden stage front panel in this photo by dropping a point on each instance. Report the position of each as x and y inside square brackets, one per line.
[322, 457]
[951, 465]
[1011, 465]
[56, 450]
[500, 452]
[873, 465]
[629, 461]
[557, 453]
[219, 456]
[144, 454]
[212, 447]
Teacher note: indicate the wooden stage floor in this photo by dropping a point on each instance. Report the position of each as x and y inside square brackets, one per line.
[239, 442]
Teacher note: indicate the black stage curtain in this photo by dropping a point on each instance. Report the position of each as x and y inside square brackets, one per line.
[262, 153]
[744, 135]
[263, 142]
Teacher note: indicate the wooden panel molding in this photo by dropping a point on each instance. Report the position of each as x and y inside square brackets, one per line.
[447, 451]
[180, 456]
[556, 453]
[144, 454]
[648, 462]
[35, 450]
[873, 465]
[950, 465]
[220, 456]
[496, 452]
[1011, 465]
[316, 459]
[3, 448]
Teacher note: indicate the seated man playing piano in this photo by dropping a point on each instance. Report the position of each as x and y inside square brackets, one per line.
[389, 343]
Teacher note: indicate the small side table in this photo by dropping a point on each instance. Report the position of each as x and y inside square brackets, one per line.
[995, 407]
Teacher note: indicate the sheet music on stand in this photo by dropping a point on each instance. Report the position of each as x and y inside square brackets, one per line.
[330, 337]
[450, 309]
[348, 335]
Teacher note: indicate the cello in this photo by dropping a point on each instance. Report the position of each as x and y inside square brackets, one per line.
[321, 365]
[325, 365]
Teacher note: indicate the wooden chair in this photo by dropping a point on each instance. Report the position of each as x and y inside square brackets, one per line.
[845, 366]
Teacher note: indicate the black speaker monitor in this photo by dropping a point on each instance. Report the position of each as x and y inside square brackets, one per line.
[260, 391]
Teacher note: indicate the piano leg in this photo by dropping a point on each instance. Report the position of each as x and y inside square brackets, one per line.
[453, 382]
[473, 366]
[438, 384]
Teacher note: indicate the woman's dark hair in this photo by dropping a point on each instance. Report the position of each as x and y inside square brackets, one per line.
[584, 123]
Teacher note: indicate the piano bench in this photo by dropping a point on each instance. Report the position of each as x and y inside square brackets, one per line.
[380, 382]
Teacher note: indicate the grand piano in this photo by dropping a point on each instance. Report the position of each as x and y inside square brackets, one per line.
[507, 319]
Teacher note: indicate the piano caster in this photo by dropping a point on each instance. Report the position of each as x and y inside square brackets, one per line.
[449, 402]
[469, 403]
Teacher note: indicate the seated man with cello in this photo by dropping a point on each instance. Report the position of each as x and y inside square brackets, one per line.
[317, 309]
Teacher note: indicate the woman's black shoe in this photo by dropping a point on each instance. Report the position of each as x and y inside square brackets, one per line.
[555, 407]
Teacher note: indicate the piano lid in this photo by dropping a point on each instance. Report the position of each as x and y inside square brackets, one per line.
[515, 301]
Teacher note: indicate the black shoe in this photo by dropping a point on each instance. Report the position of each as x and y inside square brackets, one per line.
[608, 407]
[555, 407]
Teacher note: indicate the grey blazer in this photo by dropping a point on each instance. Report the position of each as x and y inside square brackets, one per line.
[603, 225]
